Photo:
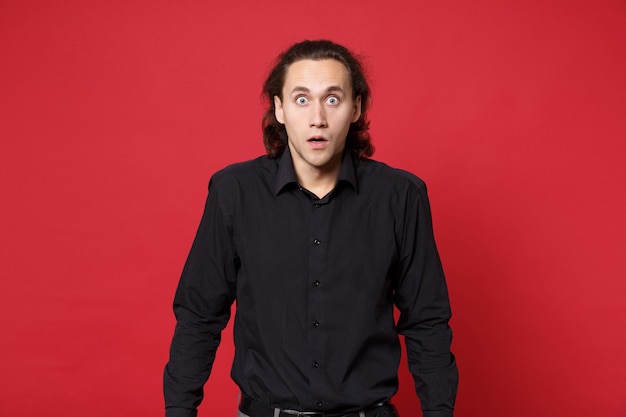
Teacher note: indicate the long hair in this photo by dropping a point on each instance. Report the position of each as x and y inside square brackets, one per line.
[358, 140]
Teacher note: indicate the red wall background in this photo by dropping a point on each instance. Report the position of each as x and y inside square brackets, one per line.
[113, 116]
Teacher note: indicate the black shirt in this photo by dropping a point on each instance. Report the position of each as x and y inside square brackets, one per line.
[315, 282]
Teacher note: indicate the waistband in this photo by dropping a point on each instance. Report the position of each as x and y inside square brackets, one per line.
[255, 409]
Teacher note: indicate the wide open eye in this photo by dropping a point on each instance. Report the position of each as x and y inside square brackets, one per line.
[332, 100]
[301, 100]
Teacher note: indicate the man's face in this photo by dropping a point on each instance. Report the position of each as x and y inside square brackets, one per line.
[317, 109]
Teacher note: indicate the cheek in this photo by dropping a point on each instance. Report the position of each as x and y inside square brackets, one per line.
[291, 126]
[293, 119]
[346, 119]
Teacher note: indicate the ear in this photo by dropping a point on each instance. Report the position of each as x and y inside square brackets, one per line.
[357, 109]
[278, 110]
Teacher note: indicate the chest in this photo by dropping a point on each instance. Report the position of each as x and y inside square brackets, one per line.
[295, 236]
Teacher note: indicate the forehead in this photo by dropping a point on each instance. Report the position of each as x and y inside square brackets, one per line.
[317, 75]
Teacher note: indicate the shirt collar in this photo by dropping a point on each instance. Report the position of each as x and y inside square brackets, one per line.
[287, 174]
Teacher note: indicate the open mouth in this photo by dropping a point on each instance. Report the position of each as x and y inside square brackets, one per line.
[317, 139]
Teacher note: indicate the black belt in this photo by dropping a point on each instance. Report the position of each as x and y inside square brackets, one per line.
[255, 409]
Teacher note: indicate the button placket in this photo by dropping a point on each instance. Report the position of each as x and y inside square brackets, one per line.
[319, 213]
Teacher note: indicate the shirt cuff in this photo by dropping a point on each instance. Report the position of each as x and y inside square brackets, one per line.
[437, 413]
[180, 412]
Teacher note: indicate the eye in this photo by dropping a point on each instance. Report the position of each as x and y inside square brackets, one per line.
[332, 100]
[301, 100]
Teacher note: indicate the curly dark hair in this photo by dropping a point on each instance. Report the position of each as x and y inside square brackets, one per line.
[358, 140]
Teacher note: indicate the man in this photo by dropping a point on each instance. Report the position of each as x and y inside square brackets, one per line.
[316, 243]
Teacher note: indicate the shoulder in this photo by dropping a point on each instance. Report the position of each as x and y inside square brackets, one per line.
[243, 173]
[378, 174]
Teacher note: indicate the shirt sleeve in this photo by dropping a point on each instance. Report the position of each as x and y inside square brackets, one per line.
[421, 296]
[202, 304]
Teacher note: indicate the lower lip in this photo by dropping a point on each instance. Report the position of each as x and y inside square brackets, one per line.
[317, 144]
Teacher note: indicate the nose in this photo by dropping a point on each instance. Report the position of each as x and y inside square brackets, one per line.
[318, 115]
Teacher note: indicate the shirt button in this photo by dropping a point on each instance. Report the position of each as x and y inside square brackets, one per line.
[316, 283]
[320, 404]
[317, 241]
[317, 205]
[316, 364]
[316, 323]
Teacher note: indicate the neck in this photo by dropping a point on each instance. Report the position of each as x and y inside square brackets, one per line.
[318, 181]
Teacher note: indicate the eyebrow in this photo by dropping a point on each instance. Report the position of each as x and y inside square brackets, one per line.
[331, 89]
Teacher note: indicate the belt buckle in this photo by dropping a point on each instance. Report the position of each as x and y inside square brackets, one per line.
[296, 413]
